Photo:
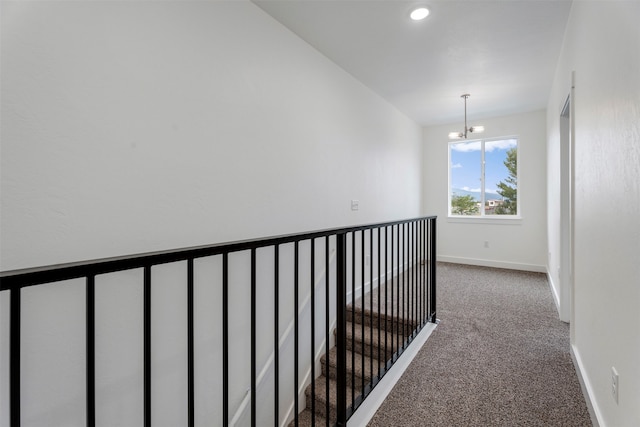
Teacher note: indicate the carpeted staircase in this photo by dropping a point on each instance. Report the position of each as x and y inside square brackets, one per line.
[373, 337]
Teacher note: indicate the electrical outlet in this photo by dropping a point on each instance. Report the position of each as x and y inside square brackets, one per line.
[486, 243]
[355, 205]
[614, 384]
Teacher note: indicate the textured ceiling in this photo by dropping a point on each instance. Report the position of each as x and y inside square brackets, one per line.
[503, 53]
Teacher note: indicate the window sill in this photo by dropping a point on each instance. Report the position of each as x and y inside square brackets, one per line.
[502, 219]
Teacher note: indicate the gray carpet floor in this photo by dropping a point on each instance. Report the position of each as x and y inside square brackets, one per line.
[499, 357]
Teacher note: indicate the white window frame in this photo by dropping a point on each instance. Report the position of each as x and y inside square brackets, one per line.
[482, 218]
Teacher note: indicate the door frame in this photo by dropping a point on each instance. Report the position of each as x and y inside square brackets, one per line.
[567, 203]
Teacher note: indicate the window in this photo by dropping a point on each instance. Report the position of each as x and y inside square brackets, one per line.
[483, 178]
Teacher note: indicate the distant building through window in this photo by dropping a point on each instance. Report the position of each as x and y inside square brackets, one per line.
[483, 177]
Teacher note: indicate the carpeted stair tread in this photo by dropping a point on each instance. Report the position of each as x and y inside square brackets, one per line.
[383, 321]
[305, 420]
[408, 286]
[321, 397]
[371, 343]
[357, 370]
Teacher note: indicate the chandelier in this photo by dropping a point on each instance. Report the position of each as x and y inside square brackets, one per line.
[471, 129]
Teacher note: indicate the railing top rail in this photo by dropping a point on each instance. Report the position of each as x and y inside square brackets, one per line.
[59, 272]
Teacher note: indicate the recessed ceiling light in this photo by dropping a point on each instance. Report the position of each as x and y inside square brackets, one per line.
[419, 13]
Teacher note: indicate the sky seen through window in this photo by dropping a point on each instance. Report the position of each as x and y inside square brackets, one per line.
[466, 167]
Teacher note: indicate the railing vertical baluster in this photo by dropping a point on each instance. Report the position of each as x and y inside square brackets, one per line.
[428, 269]
[409, 282]
[15, 371]
[418, 272]
[276, 334]
[401, 299]
[371, 300]
[327, 337]
[379, 298]
[147, 345]
[363, 303]
[414, 270]
[410, 279]
[91, 350]
[399, 296]
[421, 269]
[253, 338]
[425, 237]
[409, 329]
[404, 284]
[407, 286]
[394, 323]
[295, 328]
[424, 272]
[416, 249]
[313, 332]
[190, 346]
[386, 294]
[398, 290]
[401, 293]
[432, 307]
[421, 275]
[353, 314]
[407, 304]
[341, 329]
[225, 339]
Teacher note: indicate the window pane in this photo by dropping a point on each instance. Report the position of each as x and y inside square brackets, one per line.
[501, 177]
[466, 175]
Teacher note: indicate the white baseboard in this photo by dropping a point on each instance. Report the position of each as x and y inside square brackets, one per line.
[367, 410]
[492, 263]
[587, 389]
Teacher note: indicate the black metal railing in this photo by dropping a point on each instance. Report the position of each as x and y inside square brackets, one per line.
[367, 289]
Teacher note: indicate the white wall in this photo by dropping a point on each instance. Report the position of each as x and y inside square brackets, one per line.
[139, 126]
[517, 244]
[602, 46]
